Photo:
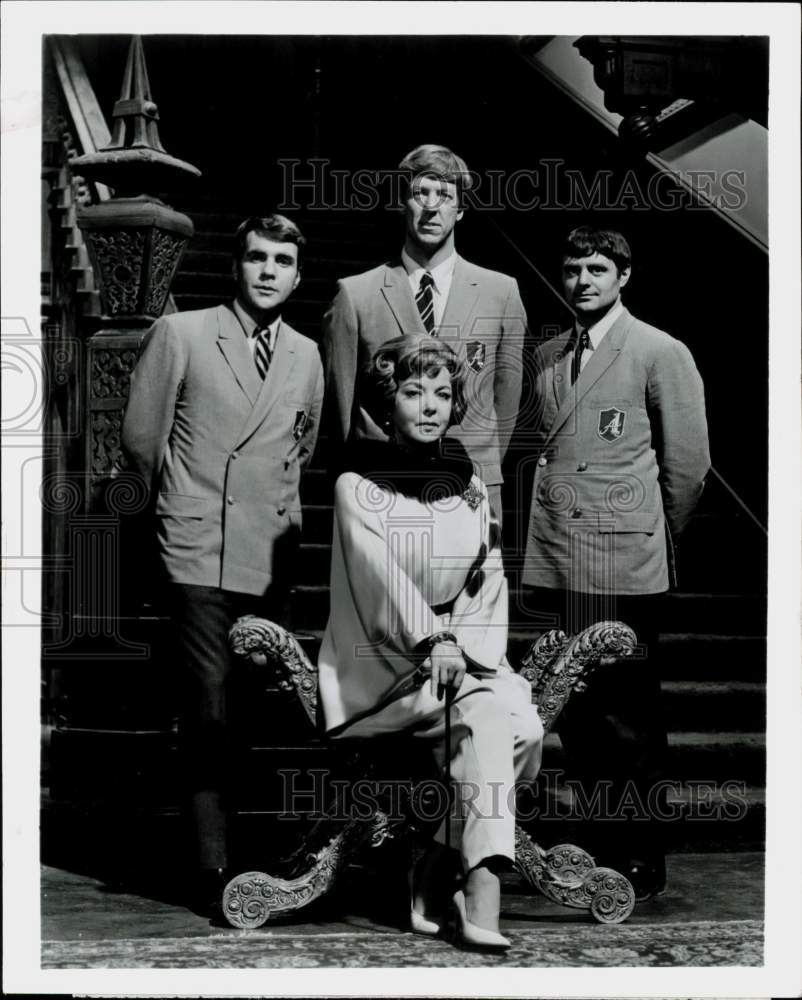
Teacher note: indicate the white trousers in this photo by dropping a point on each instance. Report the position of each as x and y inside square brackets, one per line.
[496, 743]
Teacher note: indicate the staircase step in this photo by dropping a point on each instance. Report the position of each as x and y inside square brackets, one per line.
[739, 614]
[720, 657]
[728, 705]
[718, 757]
[317, 487]
[314, 563]
[696, 757]
[722, 817]
[682, 611]
[318, 523]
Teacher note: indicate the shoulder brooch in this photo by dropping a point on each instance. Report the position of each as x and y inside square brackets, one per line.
[472, 496]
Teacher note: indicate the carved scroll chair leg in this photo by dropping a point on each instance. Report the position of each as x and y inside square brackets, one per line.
[556, 666]
[252, 898]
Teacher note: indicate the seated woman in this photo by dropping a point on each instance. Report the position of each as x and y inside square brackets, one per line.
[419, 606]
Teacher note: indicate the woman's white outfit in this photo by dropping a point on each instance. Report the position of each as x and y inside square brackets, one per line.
[405, 567]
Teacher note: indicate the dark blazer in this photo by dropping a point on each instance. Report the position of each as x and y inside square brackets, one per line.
[222, 449]
[484, 321]
[622, 456]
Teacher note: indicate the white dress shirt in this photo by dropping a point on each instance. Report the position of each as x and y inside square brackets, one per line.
[249, 325]
[597, 331]
[441, 276]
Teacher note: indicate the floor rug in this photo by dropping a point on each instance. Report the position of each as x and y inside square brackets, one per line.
[700, 943]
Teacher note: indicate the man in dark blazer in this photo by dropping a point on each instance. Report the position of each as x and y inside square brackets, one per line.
[430, 289]
[621, 459]
[222, 416]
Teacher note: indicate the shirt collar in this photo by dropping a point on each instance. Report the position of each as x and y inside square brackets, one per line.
[598, 330]
[249, 324]
[440, 274]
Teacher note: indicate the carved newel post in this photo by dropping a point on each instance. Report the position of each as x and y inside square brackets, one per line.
[135, 242]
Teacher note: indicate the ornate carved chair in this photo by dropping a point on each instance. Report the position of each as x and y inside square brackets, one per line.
[556, 665]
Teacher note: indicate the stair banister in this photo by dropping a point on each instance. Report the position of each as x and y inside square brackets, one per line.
[88, 122]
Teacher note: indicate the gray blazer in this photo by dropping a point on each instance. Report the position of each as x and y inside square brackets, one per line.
[222, 449]
[621, 457]
[485, 323]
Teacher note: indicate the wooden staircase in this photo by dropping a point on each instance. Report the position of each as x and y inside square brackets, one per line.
[711, 655]
[116, 746]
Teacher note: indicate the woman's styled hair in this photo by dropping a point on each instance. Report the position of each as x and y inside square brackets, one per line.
[408, 356]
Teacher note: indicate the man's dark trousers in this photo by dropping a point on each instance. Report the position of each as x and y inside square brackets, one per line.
[614, 732]
[209, 679]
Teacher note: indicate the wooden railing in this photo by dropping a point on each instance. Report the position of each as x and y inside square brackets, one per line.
[86, 117]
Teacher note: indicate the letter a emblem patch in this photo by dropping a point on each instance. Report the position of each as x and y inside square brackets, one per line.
[299, 425]
[475, 353]
[611, 424]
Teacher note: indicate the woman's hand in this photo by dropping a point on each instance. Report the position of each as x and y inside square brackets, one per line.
[448, 668]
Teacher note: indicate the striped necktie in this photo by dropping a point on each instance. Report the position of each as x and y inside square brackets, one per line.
[425, 302]
[262, 355]
[582, 344]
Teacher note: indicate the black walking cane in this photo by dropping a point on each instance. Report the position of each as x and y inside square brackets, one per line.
[449, 693]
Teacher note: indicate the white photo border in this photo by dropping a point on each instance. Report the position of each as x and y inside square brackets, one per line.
[23, 25]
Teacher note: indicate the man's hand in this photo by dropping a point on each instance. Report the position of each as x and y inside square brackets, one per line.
[448, 668]
[604, 661]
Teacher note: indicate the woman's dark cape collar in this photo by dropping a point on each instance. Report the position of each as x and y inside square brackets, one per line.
[427, 474]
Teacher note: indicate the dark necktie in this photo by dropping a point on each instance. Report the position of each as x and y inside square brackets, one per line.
[261, 350]
[425, 302]
[582, 344]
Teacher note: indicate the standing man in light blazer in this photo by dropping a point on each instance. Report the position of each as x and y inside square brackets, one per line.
[620, 463]
[222, 416]
[431, 290]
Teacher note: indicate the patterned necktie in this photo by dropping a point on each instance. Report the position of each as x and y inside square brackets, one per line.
[262, 354]
[425, 302]
[582, 344]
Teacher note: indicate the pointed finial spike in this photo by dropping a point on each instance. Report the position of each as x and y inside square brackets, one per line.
[141, 85]
[135, 154]
[125, 90]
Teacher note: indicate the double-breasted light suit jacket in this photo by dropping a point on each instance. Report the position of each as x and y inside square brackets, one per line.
[222, 449]
[484, 322]
[620, 457]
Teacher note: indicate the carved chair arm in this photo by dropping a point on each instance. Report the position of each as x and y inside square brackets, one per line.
[557, 665]
[264, 641]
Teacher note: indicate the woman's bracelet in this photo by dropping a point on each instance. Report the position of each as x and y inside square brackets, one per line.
[424, 648]
[433, 640]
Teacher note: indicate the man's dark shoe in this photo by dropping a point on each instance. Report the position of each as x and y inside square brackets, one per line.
[648, 878]
[206, 893]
